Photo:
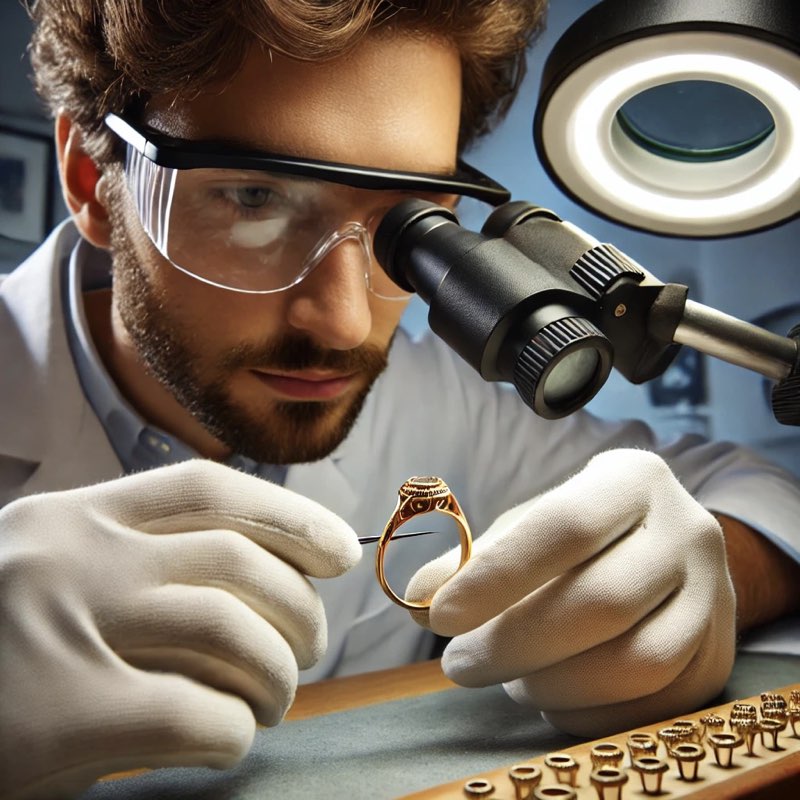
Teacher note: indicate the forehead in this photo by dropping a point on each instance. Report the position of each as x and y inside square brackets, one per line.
[393, 102]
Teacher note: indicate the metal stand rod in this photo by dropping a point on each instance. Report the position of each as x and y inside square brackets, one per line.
[730, 339]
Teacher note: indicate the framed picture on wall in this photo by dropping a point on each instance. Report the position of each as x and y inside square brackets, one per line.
[26, 185]
[684, 381]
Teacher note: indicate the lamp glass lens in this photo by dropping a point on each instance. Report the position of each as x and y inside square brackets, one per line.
[696, 120]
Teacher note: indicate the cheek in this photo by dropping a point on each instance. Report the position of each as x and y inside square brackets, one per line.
[173, 289]
[222, 318]
[202, 310]
[139, 267]
[386, 316]
[207, 319]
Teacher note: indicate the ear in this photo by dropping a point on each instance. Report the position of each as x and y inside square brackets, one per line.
[82, 184]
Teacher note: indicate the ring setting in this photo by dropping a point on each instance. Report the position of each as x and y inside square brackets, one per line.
[421, 495]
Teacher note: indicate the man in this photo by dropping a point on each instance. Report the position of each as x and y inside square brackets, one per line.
[156, 601]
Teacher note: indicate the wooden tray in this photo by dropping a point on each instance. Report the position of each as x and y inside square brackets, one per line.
[766, 774]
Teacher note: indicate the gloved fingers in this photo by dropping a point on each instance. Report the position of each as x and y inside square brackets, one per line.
[702, 679]
[612, 594]
[505, 568]
[212, 638]
[272, 588]
[546, 537]
[203, 495]
[145, 720]
[589, 604]
[641, 661]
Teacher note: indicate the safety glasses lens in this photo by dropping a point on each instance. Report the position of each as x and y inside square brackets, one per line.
[256, 231]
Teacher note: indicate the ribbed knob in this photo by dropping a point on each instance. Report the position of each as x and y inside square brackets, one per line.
[599, 267]
[786, 393]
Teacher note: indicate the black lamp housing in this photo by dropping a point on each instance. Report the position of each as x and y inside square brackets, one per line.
[750, 29]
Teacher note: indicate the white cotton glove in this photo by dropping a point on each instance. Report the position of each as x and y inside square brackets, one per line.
[151, 620]
[606, 602]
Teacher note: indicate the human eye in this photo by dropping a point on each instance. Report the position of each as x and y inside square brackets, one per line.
[233, 195]
[250, 200]
[250, 197]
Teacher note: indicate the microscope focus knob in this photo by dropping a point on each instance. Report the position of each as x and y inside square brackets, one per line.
[786, 393]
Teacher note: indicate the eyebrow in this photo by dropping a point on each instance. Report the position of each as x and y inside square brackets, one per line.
[243, 145]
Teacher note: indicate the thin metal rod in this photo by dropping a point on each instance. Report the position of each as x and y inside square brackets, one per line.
[737, 342]
[401, 535]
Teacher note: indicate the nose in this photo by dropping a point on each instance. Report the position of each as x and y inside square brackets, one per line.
[331, 303]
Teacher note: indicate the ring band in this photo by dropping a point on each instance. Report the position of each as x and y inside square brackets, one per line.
[421, 495]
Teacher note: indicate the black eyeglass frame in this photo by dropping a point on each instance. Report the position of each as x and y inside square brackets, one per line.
[174, 153]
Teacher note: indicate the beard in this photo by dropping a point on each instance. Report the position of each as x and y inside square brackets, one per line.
[282, 432]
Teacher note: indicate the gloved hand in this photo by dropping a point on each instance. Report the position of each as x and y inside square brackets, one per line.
[151, 620]
[605, 603]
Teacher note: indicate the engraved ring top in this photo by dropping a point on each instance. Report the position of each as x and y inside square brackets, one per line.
[423, 486]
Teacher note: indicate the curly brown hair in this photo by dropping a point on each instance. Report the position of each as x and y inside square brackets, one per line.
[95, 56]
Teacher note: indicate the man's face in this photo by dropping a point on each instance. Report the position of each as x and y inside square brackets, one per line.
[281, 377]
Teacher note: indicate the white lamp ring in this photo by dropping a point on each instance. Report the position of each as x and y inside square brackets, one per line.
[607, 170]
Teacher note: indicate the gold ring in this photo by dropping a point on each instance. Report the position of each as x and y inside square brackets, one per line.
[606, 754]
[421, 495]
[641, 745]
[525, 778]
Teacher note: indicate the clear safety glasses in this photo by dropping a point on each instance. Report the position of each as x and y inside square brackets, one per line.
[259, 223]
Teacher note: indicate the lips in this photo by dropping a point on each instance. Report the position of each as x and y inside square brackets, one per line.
[307, 385]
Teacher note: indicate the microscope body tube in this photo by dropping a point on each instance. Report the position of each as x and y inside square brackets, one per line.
[737, 342]
[625, 297]
[482, 307]
[668, 316]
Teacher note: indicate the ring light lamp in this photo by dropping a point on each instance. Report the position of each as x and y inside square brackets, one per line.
[631, 117]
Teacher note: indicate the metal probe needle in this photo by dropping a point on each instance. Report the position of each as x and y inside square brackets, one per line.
[401, 535]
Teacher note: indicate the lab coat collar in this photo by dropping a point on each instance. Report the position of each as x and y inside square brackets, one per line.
[34, 349]
[47, 422]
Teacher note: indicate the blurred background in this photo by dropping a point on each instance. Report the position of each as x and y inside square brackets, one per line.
[753, 277]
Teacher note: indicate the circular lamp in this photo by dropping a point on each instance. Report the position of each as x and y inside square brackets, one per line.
[677, 117]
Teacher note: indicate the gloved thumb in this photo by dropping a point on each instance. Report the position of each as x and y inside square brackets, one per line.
[428, 580]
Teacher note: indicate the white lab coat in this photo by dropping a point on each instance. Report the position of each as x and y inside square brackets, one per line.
[429, 414]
